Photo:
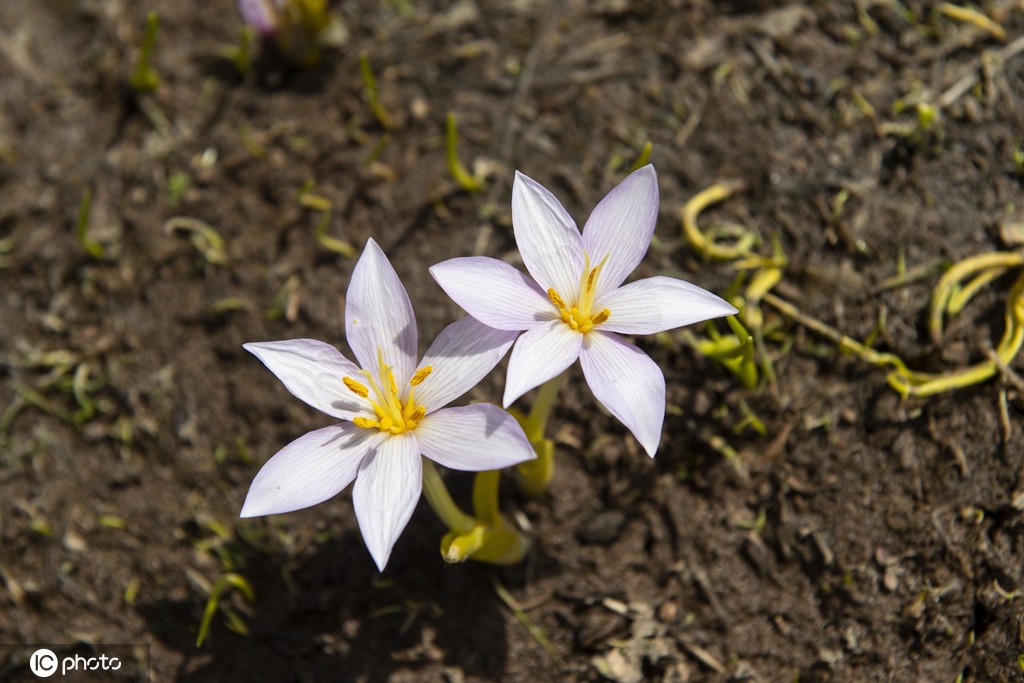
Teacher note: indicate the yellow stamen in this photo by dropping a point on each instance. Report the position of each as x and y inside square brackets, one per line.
[355, 387]
[578, 317]
[555, 299]
[394, 415]
[601, 317]
[420, 375]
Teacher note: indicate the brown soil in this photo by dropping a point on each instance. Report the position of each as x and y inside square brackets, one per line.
[862, 537]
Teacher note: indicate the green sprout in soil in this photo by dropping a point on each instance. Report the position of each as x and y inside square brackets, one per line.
[720, 243]
[286, 303]
[466, 180]
[205, 238]
[961, 282]
[308, 199]
[91, 246]
[68, 390]
[144, 79]
[970, 15]
[240, 55]
[377, 151]
[178, 183]
[228, 304]
[372, 95]
[924, 133]
[213, 603]
[6, 247]
[249, 141]
[535, 631]
[642, 159]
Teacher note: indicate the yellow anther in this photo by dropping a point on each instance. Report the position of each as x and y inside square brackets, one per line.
[578, 317]
[555, 299]
[395, 414]
[355, 387]
[420, 375]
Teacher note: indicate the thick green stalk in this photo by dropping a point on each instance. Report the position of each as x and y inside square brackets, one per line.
[535, 476]
[441, 501]
[485, 496]
[537, 421]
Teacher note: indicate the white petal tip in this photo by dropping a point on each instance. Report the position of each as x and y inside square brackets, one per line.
[509, 398]
[248, 512]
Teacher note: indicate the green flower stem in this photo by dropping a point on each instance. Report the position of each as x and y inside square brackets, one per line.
[485, 496]
[535, 476]
[537, 421]
[441, 501]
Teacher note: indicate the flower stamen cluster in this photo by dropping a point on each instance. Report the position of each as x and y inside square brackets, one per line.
[394, 415]
[579, 317]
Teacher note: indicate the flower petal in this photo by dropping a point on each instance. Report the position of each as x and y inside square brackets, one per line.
[309, 470]
[539, 355]
[260, 14]
[628, 383]
[386, 493]
[494, 292]
[660, 303]
[621, 227]
[548, 238]
[379, 317]
[460, 357]
[312, 371]
[473, 438]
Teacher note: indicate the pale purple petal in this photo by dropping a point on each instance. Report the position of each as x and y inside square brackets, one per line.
[494, 292]
[628, 383]
[386, 493]
[621, 227]
[660, 303]
[473, 438]
[539, 355]
[459, 358]
[312, 371]
[379, 317]
[309, 470]
[260, 14]
[548, 238]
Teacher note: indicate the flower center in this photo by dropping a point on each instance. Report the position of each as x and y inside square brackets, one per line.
[393, 415]
[580, 317]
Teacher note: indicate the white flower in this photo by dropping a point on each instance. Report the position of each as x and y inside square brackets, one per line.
[576, 304]
[391, 410]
